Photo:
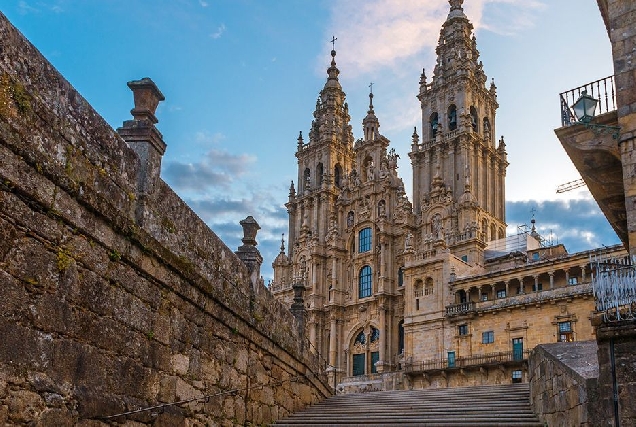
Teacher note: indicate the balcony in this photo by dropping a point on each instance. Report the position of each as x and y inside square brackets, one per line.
[532, 298]
[476, 361]
[460, 309]
[596, 154]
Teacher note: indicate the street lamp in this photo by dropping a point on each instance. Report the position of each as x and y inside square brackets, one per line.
[584, 110]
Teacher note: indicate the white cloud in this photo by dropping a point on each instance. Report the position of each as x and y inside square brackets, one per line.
[384, 33]
[219, 32]
[203, 3]
[206, 138]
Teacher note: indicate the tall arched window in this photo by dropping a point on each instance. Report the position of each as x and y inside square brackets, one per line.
[364, 240]
[307, 179]
[401, 276]
[364, 282]
[338, 175]
[452, 117]
[434, 125]
[319, 172]
[473, 119]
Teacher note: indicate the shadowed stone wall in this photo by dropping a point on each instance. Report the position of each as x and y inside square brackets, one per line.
[115, 297]
[563, 383]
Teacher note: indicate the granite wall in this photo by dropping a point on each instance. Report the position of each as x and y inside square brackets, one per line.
[114, 295]
[563, 383]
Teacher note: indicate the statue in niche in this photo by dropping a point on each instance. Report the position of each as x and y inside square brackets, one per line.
[382, 208]
[354, 178]
[436, 224]
[370, 171]
[350, 219]
[408, 241]
[384, 170]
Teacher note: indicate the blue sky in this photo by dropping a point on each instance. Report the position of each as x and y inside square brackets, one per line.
[241, 79]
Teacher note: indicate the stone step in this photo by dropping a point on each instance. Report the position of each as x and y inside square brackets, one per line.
[503, 405]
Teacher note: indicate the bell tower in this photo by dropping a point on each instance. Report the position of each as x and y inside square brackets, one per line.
[459, 168]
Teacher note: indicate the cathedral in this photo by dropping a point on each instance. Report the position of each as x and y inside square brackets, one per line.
[426, 292]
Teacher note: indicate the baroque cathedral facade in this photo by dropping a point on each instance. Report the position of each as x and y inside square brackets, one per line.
[430, 292]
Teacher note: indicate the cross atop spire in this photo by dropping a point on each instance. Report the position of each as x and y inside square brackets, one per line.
[333, 42]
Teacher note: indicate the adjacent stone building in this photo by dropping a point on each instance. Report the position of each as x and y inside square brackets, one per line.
[427, 291]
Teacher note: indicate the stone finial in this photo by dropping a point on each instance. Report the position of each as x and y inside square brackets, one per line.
[147, 97]
[250, 228]
[248, 253]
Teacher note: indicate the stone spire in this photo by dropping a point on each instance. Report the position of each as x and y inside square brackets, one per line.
[370, 124]
[457, 53]
[331, 116]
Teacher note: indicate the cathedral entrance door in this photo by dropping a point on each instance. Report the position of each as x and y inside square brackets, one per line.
[358, 364]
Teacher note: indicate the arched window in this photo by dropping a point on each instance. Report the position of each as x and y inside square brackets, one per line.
[338, 175]
[364, 282]
[452, 117]
[434, 120]
[375, 335]
[428, 287]
[364, 240]
[319, 172]
[381, 208]
[360, 339]
[307, 179]
[461, 296]
[401, 276]
[474, 121]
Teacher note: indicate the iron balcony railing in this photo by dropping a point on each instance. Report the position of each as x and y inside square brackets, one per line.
[506, 357]
[614, 287]
[459, 309]
[604, 90]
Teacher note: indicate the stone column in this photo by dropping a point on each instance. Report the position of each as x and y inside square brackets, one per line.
[382, 343]
[507, 288]
[298, 310]
[146, 141]
[248, 253]
[551, 274]
[582, 267]
[536, 283]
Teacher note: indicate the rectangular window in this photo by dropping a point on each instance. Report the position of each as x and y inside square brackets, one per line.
[484, 297]
[501, 293]
[417, 304]
[565, 332]
[462, 329]
[539, 287]
[573, 281]
[364, 240]
[488, 337]
[517, 376]
[364, 282]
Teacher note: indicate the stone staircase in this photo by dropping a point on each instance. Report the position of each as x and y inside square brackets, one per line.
[499, 405]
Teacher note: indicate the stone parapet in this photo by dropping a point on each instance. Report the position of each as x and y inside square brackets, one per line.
[101, 313]
[563, 383]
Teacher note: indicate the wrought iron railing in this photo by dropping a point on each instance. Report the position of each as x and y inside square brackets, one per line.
[614, 285]
[461, 308]
[604, 90]
[468, 361]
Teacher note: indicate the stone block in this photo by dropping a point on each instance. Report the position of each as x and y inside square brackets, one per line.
[58, 417]
[24, 406]
[180, 364]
